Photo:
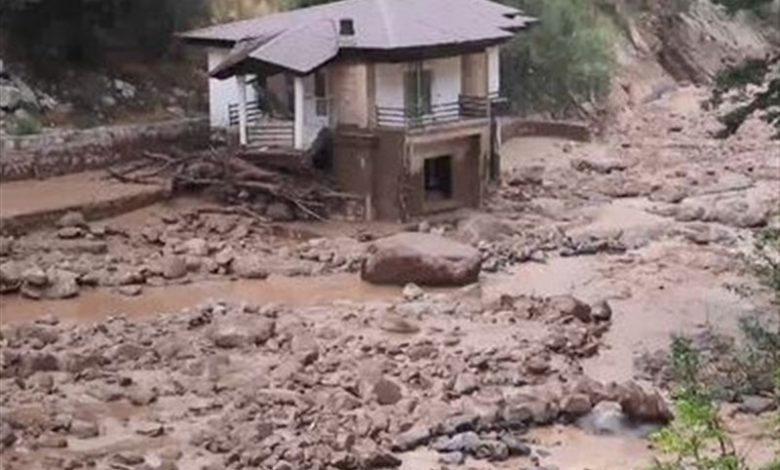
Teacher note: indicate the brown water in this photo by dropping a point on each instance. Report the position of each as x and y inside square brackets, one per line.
[94, 305]
[653, 294]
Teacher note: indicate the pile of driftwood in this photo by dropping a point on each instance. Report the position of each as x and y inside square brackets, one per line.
[233, 177]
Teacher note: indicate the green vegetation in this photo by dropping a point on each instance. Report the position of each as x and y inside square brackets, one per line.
[84, 31]
[26, 124]
[734, 82]
[734, 6]
[697, 439]
[565, 60]
[761, 73]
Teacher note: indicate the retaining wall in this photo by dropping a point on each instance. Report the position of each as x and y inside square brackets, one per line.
[93, 210]
[518, 127]
[70, 151]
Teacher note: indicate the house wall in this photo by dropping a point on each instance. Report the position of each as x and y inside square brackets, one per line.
[446, 84]
[445, 87]
[389, 198]
[475, 74]
[494, 70]
[348, 84]
[222, 92]
[464, 152]
[388, 168]
[468, 145]
[389, 89]
[385, 166]
[359, 86]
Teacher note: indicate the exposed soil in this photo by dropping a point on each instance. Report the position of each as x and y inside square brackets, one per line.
[195, 339]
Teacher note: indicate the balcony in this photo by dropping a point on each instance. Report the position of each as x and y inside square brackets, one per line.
[466, 108]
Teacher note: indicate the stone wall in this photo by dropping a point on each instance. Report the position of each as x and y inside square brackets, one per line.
[510, 127]
[70, 151]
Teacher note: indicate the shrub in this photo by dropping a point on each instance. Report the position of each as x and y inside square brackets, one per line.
[696, 439]
[26, 124]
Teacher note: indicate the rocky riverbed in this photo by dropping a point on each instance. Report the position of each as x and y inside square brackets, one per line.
[590, 256]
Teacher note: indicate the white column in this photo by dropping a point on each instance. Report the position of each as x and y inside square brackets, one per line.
[242, 121]
[298, 89]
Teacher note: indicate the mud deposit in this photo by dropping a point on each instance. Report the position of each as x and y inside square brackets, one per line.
[99, 304]
[196, 339]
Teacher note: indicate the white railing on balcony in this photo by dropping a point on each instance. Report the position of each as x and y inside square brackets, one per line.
[467, 107]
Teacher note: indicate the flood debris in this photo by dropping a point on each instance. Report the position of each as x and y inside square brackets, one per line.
[243, 386]
[260, 192]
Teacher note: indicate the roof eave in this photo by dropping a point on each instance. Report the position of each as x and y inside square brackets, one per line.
[206, 42]
[253, 66]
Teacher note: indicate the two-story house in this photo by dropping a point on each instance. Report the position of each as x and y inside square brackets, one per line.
[404, 89]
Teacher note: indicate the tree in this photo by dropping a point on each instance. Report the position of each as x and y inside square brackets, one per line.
[565, 60]
[83, 31]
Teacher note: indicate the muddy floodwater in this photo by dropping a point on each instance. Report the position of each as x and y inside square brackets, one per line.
[98, 304]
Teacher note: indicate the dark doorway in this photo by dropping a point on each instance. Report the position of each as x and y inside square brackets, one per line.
[438, 178]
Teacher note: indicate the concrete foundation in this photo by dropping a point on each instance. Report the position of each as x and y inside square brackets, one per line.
[387, 167]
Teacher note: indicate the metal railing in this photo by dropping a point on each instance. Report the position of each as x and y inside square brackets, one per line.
[467, 107]
[270, 133]
[262, 129]
[253, 112]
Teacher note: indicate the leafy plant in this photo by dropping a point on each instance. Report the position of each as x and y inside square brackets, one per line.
[696, 439]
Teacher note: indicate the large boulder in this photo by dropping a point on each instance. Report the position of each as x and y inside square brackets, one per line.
[250, 267]
[643, 406]
[10, 276]
[421, 258]
[174, 267]
[72, 219]
[53, 284]
[10, 97]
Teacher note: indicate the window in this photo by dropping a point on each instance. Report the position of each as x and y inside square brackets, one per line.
[417, 91]
[320, 93]
[438, 178]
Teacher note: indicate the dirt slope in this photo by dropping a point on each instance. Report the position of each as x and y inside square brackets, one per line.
[666, 46]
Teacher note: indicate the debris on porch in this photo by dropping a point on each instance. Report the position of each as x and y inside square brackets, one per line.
[264, 192]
